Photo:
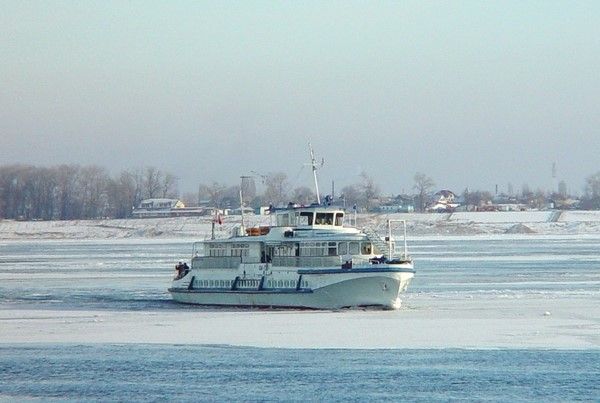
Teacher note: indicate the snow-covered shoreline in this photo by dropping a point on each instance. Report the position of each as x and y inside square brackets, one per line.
[456, 224]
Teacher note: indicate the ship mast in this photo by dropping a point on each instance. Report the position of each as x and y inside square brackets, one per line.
[313, 164]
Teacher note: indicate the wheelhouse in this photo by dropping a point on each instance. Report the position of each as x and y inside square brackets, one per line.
[309, 217]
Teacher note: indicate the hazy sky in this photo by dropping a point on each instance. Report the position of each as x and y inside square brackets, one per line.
[470, 93]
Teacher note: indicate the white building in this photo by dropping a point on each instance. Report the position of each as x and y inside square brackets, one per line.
[154, 208]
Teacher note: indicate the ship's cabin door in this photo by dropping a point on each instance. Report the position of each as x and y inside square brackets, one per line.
[266, 254]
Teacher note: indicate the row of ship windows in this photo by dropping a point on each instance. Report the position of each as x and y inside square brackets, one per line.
[270, 283]
[324, 249]
[224, 249]
[303, 249]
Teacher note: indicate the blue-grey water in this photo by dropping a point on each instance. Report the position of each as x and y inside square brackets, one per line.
[218, 373]
[134, 275]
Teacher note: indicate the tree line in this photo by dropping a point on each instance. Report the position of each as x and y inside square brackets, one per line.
[67, 192]
[278, 191]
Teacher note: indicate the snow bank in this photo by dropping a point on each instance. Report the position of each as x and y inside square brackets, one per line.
[466, 223]
[520, 229]
[579, 216]
[502, 216]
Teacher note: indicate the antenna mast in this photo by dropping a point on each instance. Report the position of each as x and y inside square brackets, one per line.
[313, 164]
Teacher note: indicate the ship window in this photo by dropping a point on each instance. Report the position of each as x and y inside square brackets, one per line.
[283, 220]
[365, 248]
[332, 250]
[239, 249]
[339, 219]
[217, 249]
[353, 248]
[324, 219]
[305, 218]
[343, 248]
[313, 249]
[280, 283]
[285, 250]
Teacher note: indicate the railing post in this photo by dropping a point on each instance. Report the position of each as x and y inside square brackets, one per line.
[405, 244]
[390, 239]
[404, 230]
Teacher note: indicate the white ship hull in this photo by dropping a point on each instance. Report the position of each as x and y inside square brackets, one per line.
[330, 289]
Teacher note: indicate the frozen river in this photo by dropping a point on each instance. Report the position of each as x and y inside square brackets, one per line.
[486, 319]
[517, 291]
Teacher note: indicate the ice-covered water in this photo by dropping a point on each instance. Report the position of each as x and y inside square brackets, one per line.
[134, 274]
[129, 275]
[512, 317]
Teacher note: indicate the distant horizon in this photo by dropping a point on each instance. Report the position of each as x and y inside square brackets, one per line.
[473, 94]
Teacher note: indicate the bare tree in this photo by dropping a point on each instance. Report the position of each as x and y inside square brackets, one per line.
[592, 192]
[423, 186]
[248, 188]
[539, 199]
[190, 199]
[68, 202]
[169, 186]
[231, 197]
[123, 194]
[152, 182]
[303, 195]
[351, 195]
[477, 198]
[18, 191]
[45, 194]
[369, 189]
[93, 184]
[216, 192]
[276, 188]
[592, 185]
[203, 194]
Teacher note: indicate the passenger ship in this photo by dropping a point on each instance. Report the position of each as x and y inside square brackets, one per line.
[307, 259]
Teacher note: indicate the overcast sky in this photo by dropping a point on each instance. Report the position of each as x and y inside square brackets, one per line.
[470, 93]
